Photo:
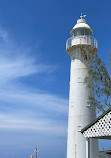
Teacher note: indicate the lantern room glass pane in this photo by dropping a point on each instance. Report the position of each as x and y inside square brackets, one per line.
[81, 32]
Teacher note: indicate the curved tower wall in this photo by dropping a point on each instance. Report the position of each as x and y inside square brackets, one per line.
[81, 110]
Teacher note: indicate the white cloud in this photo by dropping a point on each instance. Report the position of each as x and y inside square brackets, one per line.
[12, 122]
[40, 108]
[20, 67]
[17, 62]
[42, 101]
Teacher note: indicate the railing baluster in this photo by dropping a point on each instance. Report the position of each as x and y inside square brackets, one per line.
[81, 40]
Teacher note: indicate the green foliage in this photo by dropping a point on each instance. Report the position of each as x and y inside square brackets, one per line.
[101, 81]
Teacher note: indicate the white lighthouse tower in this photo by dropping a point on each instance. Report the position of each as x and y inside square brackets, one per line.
[81, 47]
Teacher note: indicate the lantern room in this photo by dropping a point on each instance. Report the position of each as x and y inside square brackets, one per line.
[81, 29]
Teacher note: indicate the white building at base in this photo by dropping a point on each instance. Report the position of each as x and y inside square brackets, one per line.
[81, 47]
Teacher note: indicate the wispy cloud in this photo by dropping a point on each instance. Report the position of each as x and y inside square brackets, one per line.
[41, 109]
[13, 122]
[40, 100]
[3, 35]
[20, 67]
[16, 61]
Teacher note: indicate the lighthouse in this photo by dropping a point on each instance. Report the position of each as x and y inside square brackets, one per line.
[81, 47]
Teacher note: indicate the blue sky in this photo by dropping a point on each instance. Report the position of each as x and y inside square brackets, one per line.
[34, 71]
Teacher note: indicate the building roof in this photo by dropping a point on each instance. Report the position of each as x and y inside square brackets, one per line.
[100, 128]
[96, 120]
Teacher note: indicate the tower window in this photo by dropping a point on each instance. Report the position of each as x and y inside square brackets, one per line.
[79, 80]
[88, 103]
[79, 128]
[72, 104]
